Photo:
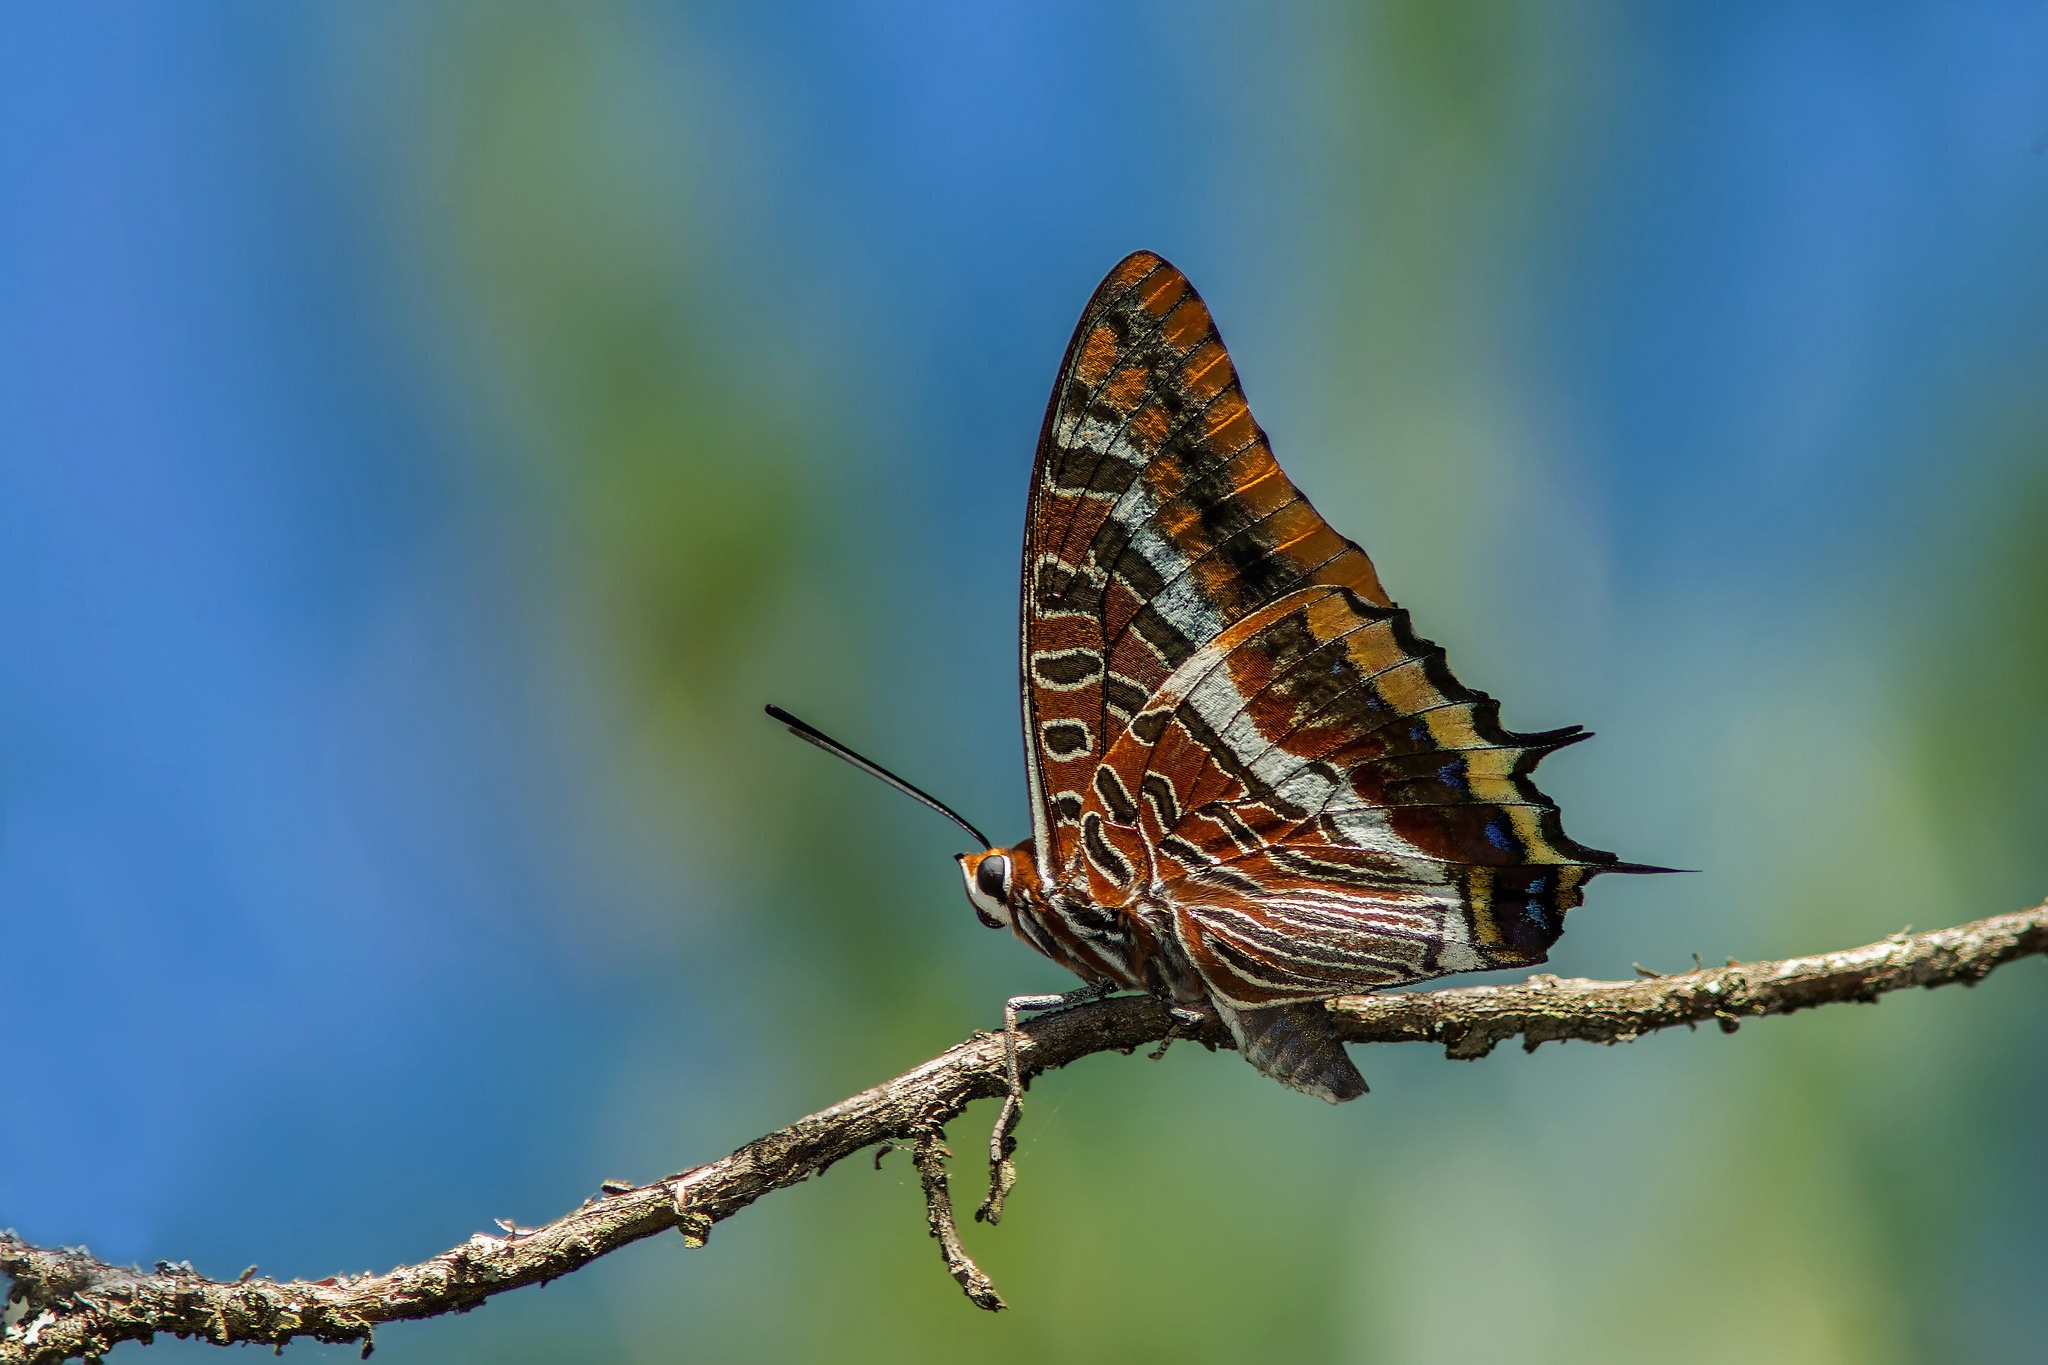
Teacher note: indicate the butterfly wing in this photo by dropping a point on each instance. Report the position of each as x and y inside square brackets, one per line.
[1158, 519]
[1222, 702]
[1327, 809]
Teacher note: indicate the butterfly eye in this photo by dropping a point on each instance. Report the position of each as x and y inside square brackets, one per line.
[992, 878]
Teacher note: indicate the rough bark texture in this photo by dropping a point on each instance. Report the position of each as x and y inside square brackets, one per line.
[76, 1306]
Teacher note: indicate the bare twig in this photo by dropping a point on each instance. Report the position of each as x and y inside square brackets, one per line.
[80, 1307]
[1472, 1021]
[930, 1155]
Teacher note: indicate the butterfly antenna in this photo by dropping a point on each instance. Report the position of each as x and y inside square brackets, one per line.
[806, 731]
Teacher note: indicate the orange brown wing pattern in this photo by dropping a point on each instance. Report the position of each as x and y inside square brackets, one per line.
[1230, 722]
[1158, 520]
[1254, 787]
[1325, 808]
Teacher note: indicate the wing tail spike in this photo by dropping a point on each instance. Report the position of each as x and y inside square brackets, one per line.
[1547, 742]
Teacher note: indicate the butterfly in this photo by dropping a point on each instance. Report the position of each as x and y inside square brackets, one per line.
[1253, 786]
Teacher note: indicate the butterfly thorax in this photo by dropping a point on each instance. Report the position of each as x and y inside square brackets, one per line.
[1065, 923]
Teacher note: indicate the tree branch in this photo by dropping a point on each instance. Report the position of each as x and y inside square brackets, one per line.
[77, 1306]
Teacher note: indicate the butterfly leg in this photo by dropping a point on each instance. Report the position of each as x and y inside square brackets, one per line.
[1002, 1173]
[1185, 1019]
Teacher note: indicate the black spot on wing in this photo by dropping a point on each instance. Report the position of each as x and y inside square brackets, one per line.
[1066, 668]
[1121, 696]
[1166, 639]
[1148, 726]
[1101, 853]
[1065, 738]
[1165, 802]
[1115, 798]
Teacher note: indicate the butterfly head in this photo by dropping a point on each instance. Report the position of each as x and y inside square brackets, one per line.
[996, 880]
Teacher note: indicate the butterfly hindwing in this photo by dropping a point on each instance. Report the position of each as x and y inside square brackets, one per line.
[1329, 810]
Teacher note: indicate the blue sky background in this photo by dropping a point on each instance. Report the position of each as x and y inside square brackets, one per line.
[429, 432]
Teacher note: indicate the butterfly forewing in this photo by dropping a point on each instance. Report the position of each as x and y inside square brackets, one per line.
[1227, 714]
[1158, 519]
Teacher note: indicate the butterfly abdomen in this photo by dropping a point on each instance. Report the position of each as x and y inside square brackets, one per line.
[1298, 1046]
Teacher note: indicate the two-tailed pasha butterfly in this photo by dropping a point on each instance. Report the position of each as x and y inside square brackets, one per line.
[1253, 786]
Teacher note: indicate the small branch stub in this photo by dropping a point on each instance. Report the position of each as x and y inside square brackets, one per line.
[930, 1155]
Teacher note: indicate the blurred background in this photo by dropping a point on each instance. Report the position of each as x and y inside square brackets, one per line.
[429, 432]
